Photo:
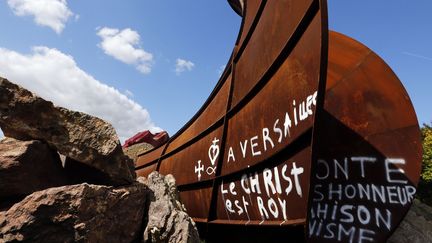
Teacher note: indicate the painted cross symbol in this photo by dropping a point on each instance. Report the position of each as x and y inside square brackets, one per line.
[198, 169]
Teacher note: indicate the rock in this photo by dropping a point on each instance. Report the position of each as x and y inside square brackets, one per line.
[77, 213]
[134, 150]
[167, 218]
[26, 167]
[78, 173]
[416, 226]
[82, 137]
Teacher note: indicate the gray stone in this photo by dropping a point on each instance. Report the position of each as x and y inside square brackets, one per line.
[26, 167]
[416, 226]
[167, 218]
[82, 137]
[77, 213]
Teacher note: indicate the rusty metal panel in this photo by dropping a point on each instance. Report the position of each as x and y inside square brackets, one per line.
[276, 25]
[196, 162]
[266, 125]
[353, 55]
[285, 98]
[214, 111]
[252, 7]
[150, 156]
[145, 171]
[198, 202]
[273, 194]
[377, 95]
[363, 137]
[367, 150]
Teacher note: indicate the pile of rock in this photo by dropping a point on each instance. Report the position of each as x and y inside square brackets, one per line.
[135, 150]
[92, 195]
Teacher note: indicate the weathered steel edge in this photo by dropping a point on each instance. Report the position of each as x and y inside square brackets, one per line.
[222, 79]
[251, 30]
[314, 9]
[291, 43]
[237, 6]
[372, 54]
[289, 46]
[319, 110]
[306, 20]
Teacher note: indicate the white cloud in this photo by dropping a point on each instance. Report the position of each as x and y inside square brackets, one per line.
[55, 76]
[129, 93]
[51, 13]
[123, 45]
[183, 65]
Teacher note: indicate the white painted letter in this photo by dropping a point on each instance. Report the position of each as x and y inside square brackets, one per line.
[231, 154]
[362, 160]
[326, 174]
[388, 170]
[266, 138]
[254, 183]
[288, 179]
[296, 172]
[276, 129]
[232, 186]
[253, 145]
[244, 182]
[344, 169]
[261, 208]
[267, 175]
[243, 147]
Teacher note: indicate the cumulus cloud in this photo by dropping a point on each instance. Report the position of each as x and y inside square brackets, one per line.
[123, 45]
[129, 93]
[55, 76]
[51, 13]
[183, 65]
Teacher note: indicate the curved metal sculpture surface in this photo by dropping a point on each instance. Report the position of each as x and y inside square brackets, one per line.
[307, 132]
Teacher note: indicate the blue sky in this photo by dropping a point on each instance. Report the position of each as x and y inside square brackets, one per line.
[143, 64]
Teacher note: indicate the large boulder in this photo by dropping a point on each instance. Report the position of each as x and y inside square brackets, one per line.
[416, 226]
[167, 219]
[82, 137]
[77, 213]
[26, 167]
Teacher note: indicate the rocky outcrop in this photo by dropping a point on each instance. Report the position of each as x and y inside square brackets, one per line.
[167, 218]
[26, 167]
[79, 136]
[94, 213]
[77, 213]
[102, 201]
[416, 226]
[134, 150]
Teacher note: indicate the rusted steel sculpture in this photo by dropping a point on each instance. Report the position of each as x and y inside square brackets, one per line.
[308, 136]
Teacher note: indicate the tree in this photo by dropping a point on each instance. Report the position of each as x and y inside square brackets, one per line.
[424, 192]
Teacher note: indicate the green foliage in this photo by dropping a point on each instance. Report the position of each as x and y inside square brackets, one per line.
[427, 153]
[424, 192]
